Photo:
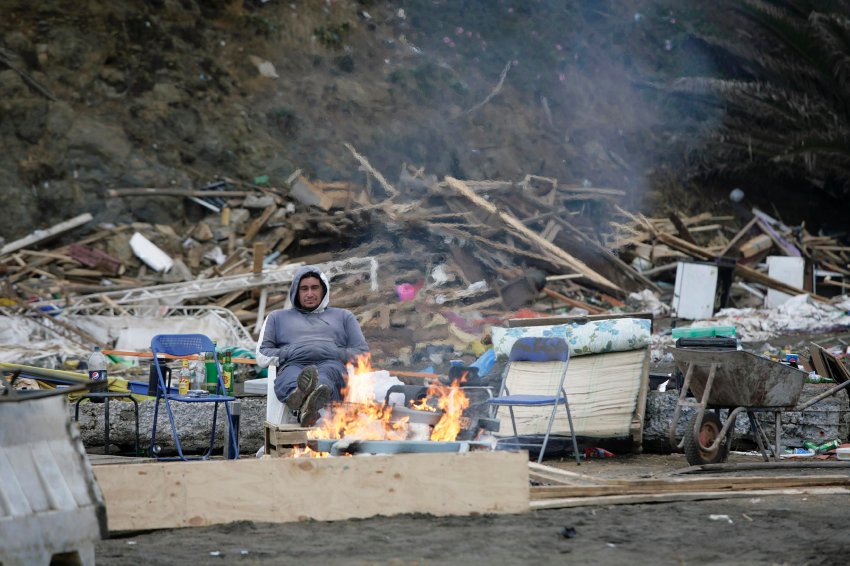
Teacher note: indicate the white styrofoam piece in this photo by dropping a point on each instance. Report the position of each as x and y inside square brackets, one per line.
[693, 294]
[789, 270]
[149, 253]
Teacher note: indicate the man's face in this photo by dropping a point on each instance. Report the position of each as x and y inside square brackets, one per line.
[310, 293]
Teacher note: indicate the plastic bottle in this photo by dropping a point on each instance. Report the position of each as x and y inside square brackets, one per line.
[198, 376]
[184, 379]
[227, 373]
[97, 365]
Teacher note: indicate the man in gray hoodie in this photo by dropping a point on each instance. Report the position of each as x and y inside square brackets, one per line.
[312, 342]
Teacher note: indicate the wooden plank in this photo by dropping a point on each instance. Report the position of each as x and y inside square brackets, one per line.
[520, 229]
[280, 490]
[818, 361]
[257, 224]
[741, 234]
[573, 303]
[640, 408]
[259, 256]
[687, 486]
[42, 235]
[681, 229]
[671, 497]
[685, 247]
[758, 277]
[542, 472]
[756, 245]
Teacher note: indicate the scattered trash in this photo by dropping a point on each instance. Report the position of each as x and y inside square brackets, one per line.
[597, 453]
[567, 532]
[722, 518]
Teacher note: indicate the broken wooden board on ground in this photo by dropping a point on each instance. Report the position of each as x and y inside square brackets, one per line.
[186, 494]
[564, 488]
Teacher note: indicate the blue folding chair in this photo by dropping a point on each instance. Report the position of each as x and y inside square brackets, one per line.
[535, 350]
[189, 345]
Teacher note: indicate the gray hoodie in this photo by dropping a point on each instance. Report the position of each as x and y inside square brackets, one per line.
[297, 336]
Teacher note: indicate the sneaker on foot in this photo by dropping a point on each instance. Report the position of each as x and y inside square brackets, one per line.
[313, 404]
[305, 384]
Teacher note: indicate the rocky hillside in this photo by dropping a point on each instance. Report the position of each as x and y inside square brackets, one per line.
[181, 93]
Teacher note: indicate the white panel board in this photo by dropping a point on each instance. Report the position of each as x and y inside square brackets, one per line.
[693, 295]
[789, 270]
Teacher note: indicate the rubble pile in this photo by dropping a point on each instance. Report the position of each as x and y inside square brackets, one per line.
[425, 264]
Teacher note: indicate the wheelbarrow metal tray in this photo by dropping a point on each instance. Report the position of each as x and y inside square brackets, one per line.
[742, 379]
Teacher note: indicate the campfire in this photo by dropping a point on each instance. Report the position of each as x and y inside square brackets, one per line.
[360, 416]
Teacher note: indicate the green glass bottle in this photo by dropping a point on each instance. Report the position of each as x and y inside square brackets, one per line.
[212, 373]
[227, 371]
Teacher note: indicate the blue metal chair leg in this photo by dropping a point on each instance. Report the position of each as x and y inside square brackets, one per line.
[548, 431]
[572, 430]
[153, 430]
[174, 430]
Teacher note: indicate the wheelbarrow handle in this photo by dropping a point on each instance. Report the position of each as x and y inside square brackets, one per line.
[823, 395]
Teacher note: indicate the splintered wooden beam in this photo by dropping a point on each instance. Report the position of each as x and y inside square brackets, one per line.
[257, 224]
[685, 247]
[751, 274]
[521, 230]
[42, 235]
[177, 494]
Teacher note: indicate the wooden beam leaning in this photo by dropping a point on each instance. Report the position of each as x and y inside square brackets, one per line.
[168, 495]
[758, 277]
[521, 230]
[41, 235]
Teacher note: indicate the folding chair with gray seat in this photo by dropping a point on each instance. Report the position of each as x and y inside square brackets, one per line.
[189, 345]
[532, 351]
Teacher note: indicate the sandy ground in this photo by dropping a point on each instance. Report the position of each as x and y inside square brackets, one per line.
[801, 529]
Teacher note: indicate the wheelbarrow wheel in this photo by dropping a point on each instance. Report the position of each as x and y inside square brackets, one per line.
[709, 430]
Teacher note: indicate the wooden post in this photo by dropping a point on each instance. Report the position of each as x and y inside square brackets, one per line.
[259, 256]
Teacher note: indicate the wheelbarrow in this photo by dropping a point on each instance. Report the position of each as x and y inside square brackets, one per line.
[739, 381]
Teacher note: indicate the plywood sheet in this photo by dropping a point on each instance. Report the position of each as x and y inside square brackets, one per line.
[184, 494]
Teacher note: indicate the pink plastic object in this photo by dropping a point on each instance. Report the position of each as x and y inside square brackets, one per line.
[406, 292]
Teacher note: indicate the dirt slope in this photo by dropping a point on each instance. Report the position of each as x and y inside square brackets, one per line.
[100, 95]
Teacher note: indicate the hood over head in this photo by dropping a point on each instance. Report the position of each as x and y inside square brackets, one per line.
[296, 281]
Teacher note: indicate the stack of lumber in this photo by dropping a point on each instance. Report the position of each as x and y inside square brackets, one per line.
[557, 488]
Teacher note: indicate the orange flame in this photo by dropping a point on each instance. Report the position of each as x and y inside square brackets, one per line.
[361, 417]
[452, 401]
[422, 405]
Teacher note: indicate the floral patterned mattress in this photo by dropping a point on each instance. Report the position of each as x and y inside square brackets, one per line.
[594, 337]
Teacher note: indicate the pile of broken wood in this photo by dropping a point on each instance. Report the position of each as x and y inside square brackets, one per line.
[451, 257]
[657, 244]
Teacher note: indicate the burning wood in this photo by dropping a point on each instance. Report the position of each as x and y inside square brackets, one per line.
[361, 417]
